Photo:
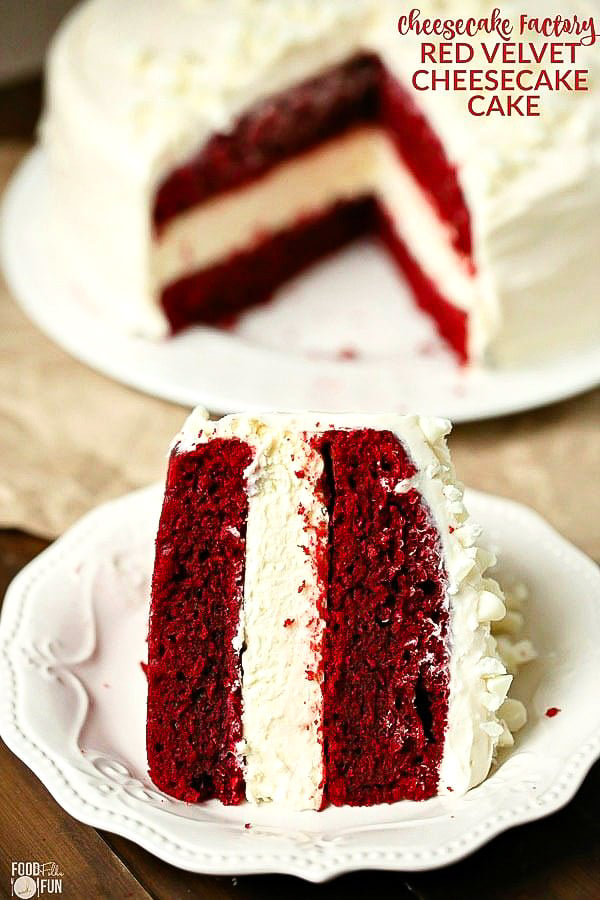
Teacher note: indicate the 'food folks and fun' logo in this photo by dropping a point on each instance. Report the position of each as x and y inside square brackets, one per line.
[35, 879]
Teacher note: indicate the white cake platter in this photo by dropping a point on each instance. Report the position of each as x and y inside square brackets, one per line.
[345, 336]
[72, 707]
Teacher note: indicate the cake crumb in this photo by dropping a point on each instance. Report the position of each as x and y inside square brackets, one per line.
[427, 348]
[347, 353]
[288, 622]
[248, 825]
[553, 711]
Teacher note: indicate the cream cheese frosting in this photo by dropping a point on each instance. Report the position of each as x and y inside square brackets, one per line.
[126, 104]
[282, 750]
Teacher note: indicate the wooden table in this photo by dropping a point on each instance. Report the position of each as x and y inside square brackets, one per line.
[558, 857]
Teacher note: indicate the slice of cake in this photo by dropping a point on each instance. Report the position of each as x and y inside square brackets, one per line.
[201, 154]
[320, 622]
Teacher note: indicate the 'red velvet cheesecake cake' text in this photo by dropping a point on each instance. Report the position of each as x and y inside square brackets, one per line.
[320, 617]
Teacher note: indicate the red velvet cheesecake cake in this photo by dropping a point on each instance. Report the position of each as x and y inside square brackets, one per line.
[320, 622]
[203, 153]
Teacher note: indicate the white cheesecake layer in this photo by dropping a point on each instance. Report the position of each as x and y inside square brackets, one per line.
[360, 163]
[282, 740]
[283, 628]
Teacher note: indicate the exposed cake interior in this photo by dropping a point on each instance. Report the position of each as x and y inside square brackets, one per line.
[265, 196]
[386, 657]
[194, 690]
[217, 292]
[301, 645]
[276, 129]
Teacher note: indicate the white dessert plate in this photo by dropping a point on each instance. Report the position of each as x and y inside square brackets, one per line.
[344, 336]
[72, 639]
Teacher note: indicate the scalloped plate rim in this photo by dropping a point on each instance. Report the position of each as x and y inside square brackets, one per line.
[316, 869]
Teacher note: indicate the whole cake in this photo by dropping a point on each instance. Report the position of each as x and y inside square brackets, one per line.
[202, 152]
[320, 620]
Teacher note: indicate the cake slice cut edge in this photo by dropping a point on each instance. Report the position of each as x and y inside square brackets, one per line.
[328, 640]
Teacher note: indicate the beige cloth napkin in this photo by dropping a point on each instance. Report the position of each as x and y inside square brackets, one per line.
[70, 439]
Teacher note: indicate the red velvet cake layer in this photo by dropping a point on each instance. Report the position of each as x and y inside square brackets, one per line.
[385, 657]
[276, 129]
[450, 321]
[218, 292]
[194, 693]
[423, 153]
